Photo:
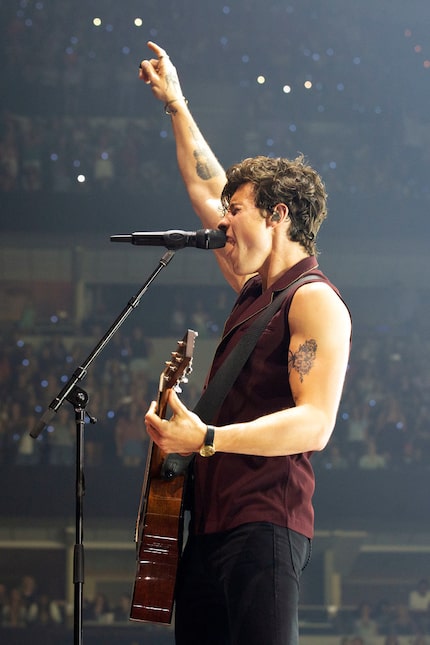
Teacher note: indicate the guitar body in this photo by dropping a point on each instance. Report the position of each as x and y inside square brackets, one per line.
[159, 526]
[159, 547]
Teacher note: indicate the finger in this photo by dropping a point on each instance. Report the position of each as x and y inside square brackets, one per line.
[176, 404]
[151, 414]
[153, 434]
[158, 51]
[146, 72]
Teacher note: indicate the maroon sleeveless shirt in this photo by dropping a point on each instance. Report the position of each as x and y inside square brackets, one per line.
[231, 489]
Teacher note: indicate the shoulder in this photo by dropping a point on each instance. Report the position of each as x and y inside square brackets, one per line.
[318, 293]
[318, 304]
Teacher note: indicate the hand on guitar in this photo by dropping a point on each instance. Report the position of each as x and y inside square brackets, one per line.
[184, 433]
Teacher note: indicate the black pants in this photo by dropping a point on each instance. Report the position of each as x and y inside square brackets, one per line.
[241, 587]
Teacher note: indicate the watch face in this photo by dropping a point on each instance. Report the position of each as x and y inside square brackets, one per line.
[207, 451]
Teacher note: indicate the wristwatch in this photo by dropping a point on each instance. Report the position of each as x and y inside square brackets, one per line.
[208, 448]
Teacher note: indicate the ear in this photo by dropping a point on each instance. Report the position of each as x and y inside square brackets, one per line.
[279, 214]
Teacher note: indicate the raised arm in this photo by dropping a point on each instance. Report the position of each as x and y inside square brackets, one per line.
[201, 171]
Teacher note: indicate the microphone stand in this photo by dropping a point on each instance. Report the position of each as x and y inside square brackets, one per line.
[79, 399]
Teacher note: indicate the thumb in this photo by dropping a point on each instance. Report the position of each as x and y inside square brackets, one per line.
[146, 72]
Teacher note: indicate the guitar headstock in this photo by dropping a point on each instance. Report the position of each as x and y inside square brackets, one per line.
[180, 365]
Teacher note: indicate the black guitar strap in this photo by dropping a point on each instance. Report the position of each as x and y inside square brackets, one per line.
[218, 388]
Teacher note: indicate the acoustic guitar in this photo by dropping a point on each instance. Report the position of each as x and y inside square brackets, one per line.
[159, 524]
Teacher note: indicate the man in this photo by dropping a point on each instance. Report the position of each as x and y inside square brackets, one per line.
[252, 520]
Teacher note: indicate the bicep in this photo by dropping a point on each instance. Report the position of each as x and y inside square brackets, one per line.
[319, 348]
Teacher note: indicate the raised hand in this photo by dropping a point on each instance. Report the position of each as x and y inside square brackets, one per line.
[161, 75]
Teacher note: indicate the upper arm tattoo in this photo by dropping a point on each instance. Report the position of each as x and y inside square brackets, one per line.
[303, 359]
[206, 164]
[205, 167]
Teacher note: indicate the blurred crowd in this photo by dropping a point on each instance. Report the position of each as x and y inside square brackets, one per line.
[34, 367]
[24, 603]
[73, 104]
[384, 417]
[398, 624]
[383, 420]
[84, 155]
[49, 154]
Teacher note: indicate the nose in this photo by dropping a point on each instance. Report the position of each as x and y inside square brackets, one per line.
[223, 223]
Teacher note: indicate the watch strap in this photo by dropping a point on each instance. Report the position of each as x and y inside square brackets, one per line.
[210, 436]
[208, 447]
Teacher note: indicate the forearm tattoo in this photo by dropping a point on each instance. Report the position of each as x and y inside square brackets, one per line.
[207, 166]
[303, 359]
[172, 83]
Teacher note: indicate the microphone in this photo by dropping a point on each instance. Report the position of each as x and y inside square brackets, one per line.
[203, 239]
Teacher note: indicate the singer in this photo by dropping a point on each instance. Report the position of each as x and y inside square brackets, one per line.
[252, 520]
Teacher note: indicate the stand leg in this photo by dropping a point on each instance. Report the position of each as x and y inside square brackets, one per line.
[78, 556]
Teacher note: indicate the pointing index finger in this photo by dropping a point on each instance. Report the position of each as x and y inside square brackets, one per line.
[158, 51]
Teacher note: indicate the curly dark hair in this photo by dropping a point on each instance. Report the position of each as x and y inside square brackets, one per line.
[280, 180]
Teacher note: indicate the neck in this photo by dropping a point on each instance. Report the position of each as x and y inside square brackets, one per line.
[278, 265]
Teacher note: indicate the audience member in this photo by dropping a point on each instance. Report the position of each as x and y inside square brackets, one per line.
[29, 452]
[15, 612]
[391, 432]
[372, 460]
[403, 624]
[419, 604]
[384, 616]
[61, 439]
[99, 610]
[140, 350]
[357, 430]
[391, 639]
[419, 597]
[122, 609]
[334, 460]
[45, 612]
[130, 435]
[365, 626]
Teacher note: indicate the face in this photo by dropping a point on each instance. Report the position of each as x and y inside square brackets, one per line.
[249, 237]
